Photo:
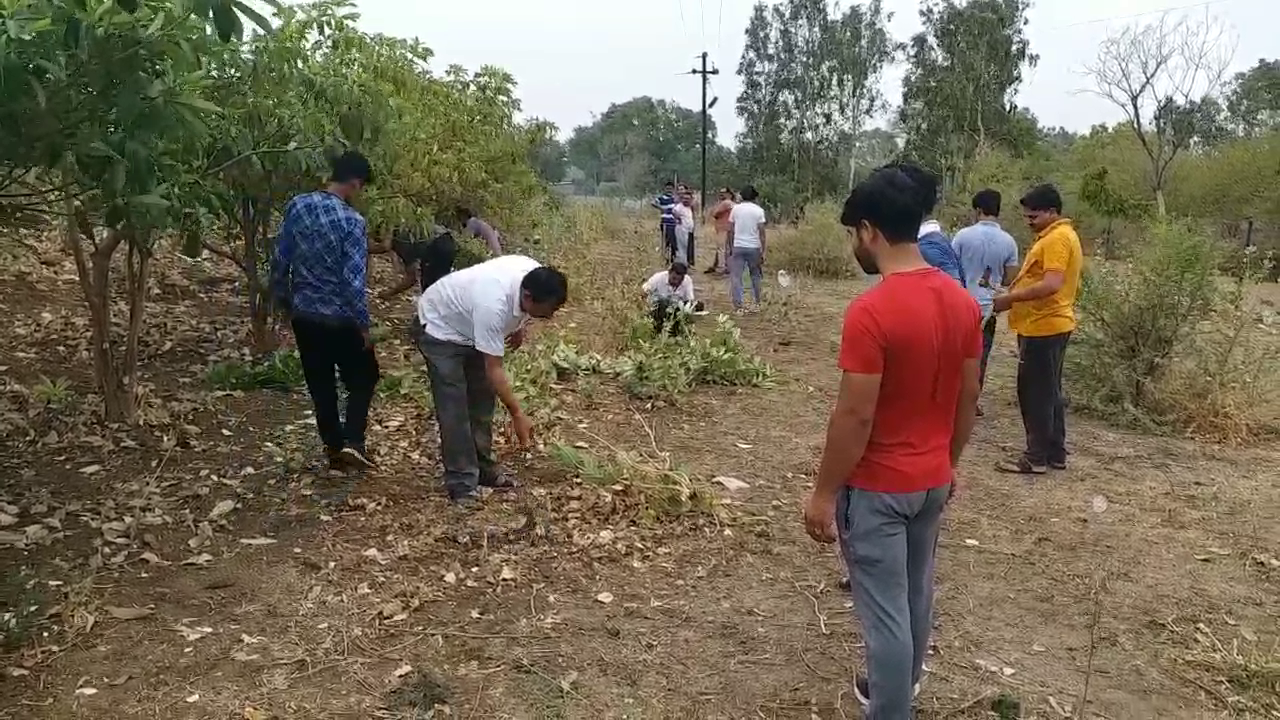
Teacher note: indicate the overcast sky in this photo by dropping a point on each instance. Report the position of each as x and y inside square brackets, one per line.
[572, 58]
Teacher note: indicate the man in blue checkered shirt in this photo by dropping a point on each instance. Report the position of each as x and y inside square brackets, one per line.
[318, 279]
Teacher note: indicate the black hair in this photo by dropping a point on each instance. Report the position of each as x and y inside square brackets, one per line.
[546, 285]
[748, 193]
[463, 213]
[925, 181]
[678, 268]
[668, 184]
[987, 202]
[350, 165]
[1042, 197]
[887, 200]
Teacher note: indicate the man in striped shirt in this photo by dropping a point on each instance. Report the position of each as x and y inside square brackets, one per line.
[666, 203]
[318, 279]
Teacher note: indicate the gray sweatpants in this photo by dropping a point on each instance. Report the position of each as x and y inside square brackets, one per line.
[889, 541]
[464, 404]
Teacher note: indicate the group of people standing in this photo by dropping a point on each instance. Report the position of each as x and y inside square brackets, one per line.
[463, 323]
[739, 223]
[913, 356]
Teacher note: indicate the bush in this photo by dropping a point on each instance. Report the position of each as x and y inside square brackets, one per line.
[819, 246]
[1164, 342]
[648, 482]
[664, 367]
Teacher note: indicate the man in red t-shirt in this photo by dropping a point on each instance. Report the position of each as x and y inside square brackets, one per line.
[909, 355]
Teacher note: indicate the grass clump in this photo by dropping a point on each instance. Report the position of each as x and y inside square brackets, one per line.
[658, 491]
[1166, 343]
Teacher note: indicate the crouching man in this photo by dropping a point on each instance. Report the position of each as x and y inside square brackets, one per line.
[670, 296]
[469, 318]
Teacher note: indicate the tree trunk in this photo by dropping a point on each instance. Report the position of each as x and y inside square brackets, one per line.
[94, 272]
[1160, 207]
[139, 276]
[254, 227]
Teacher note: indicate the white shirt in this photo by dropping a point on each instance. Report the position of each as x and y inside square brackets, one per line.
[684, 218]
[746, 218]
[929, 226]
[659, 288]
[478, 306]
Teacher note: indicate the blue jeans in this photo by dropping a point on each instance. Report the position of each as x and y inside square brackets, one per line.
[889, 541]
[742, 260]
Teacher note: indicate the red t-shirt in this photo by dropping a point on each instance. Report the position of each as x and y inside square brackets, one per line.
[914, 329]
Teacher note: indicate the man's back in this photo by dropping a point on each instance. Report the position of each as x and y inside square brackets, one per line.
[915, 329]
[936, 250]
[323, 245]
[449, 309]
[985, 250]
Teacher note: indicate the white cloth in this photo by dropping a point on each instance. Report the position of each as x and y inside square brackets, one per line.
[746, 219]
[477, 306]
[929, 226]
[684, 220]
[659, 288]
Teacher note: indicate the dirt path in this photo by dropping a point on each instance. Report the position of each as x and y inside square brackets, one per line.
[1146, 571]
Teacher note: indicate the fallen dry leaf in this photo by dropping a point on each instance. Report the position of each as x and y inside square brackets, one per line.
[257, 541]
[128, 613]
[730, 483]
[605, 597]
[201, 559]
[402, 670]
[86, 691]
[222, 508]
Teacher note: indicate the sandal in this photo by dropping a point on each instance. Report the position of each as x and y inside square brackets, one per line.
[1021, 466]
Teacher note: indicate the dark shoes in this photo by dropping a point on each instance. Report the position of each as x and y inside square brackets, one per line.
[1022, 466]
[498, 482]
[352, 457]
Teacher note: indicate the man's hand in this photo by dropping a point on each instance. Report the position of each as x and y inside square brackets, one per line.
[1001, 303]
[957, 489]
[820, 517]
[523, 428]
[516, 340]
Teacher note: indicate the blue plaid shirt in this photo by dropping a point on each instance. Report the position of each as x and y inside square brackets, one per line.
[320, 259]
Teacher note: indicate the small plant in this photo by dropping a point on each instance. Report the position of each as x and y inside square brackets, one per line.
[661, 491]
[665, 366]
[53, 393]
[279, 370]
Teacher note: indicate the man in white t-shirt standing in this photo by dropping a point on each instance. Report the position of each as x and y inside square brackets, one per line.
[670, 295]
[746, 238]
[684, 227]
[469, 318]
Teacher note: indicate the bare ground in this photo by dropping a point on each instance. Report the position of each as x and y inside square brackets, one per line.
[1146, 573]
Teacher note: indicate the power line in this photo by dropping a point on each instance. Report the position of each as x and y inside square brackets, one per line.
[683, 25]
[719, 27]
[1157, 11]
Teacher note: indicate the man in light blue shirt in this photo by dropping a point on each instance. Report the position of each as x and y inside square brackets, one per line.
[988, 258]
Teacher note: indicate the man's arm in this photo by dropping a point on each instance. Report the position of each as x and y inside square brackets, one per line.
[1011, 265]
[497, 377]
[355, 266]
[848, 431]
[967, 407]
[485, 231]
[487, 332]
[408, 278]
[282, 260]
[763, 239]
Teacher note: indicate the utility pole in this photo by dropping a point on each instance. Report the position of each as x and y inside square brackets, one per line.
[706, 79]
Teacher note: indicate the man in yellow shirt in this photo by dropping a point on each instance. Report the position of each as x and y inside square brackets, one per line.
[1041, 304]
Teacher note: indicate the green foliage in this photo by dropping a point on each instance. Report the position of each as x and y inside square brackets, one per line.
[809, 80]
[964, 70]
[638, 145]
[665, 366]
[280, 370]
[1253, 100]
[1144, 323]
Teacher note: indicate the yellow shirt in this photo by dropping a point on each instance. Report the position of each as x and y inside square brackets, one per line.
[1056, 249]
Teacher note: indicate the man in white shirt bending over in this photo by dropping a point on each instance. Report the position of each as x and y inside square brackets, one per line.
[670, 296]
[469, 318]
[746, 238]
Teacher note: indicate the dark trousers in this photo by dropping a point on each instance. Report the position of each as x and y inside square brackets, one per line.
[692, 254]
[464, 404]
[669, 242]
[988, 339]
[1040, 397]
[323, 347]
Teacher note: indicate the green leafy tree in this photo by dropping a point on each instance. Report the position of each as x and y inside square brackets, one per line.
[102, 114]
[1161, 76]
[809, 81]
[640, 144]
[547, 154]
[964, 69]
[1253, 100]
